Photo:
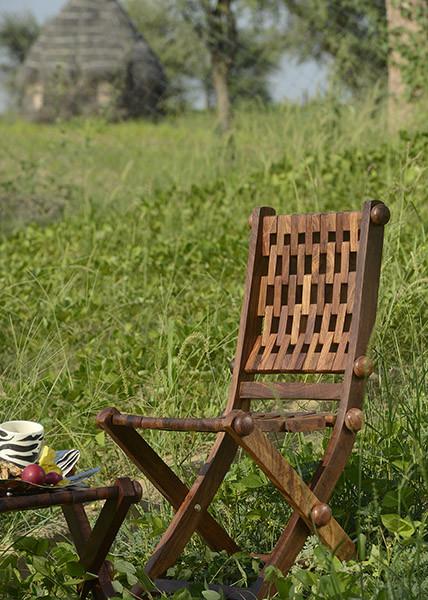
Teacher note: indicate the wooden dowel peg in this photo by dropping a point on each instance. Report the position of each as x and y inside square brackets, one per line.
[321, 514]
[363, 366]
[243, 425]
[380, 214]
[354, 419]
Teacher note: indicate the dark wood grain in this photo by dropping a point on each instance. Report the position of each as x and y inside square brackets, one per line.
[162, 477]
[80, 531]
[311, 261]
[294, 490]
[59, 498]
[213, 425]
[290, 391]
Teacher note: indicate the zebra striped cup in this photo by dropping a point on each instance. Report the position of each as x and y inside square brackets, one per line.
[21, 442]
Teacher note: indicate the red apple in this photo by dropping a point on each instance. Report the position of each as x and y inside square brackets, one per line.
[52, 478]
[33, 474]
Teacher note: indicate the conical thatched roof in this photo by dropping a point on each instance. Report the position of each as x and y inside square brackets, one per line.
[95, 41]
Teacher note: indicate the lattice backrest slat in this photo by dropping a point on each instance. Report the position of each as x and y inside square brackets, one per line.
[306, 293]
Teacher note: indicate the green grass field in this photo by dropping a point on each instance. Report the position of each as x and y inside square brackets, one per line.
[132, 298]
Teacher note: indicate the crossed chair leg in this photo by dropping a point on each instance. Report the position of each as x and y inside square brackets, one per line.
[239, 430]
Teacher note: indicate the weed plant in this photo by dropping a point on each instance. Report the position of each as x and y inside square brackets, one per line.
[132, 299]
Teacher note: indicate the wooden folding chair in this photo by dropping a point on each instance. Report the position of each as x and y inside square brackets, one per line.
[92, 545]
[309, 308]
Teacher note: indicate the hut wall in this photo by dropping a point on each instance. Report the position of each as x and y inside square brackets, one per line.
[35, 96]
[91, 60]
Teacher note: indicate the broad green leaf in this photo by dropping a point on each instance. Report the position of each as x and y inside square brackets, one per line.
[211, 595]
[100, 438]
[396, 524]
[252, 481]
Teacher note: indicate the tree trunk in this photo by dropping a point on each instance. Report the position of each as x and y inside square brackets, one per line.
[222, 45]
[398, 106]
[220, 75]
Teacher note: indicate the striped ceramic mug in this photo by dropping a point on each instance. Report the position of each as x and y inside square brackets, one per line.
[21, 442]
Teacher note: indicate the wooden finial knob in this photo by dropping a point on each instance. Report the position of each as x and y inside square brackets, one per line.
[104, 417]
[363, 366]
[137, 489]
[380, 214]
[243, 424]
[354, 419]
[321, 514]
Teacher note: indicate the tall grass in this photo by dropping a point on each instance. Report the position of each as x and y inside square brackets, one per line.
[133, 299]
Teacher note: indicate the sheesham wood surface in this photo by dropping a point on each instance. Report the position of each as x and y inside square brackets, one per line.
[306, 293]
[81, 530]
[161, 476]
[309, 307]
[293, 488]
[253, 390]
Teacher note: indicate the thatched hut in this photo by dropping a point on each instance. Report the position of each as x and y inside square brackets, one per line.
[91, 59]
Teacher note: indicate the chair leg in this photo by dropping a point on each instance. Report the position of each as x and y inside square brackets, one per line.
[80, 530]
[93, 546]
[293, 488]
[296, 532]
[188, 517]
[164, 479]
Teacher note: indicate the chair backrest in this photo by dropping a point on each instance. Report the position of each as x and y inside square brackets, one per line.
[309, 278]
[306, 292]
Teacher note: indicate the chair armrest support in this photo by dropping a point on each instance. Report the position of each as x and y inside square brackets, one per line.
[214, 425]
[241, 422]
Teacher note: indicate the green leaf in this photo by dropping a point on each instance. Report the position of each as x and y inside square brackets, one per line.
[305, 578]
[182, 594]
[211, 595]
[145, 582]
[122, 566]
[41, 565]
[284, 586]
[75, 569]
[362, 546]
[252, 481]
[100, 438]
[131, 579]
[396, 524]
[397, 499]
[117, 586]
[272, 574]
[33, 546]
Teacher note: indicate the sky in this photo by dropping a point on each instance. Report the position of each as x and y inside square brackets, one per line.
[291, 81]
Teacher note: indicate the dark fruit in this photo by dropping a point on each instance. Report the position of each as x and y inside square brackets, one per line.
[52, 478]
[33, 474]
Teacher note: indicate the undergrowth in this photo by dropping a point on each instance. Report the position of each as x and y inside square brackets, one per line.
[132, 299]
